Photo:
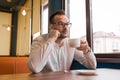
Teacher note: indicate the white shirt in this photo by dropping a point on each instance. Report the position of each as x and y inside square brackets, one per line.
[46, 56]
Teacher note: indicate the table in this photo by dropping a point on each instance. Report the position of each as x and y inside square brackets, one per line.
[100, 74]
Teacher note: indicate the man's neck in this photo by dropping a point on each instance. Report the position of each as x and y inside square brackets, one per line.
[59, 41]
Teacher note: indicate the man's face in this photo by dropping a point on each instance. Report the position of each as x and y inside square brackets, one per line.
[62, 25]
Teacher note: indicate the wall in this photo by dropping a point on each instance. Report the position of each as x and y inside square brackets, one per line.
[24, 31]
[5, 20]
[26, 26]
[36, 16]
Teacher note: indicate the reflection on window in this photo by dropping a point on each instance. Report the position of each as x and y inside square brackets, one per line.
[106, 26]
[77, 18]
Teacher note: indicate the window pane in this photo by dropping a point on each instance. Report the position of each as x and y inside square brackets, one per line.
[77, 18]
[45, 21]
[106, 26]
[44, 16]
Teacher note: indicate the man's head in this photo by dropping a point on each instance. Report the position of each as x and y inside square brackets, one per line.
[60, 22]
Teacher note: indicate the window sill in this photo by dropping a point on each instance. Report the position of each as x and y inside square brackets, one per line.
[108, 60]
[108, 55]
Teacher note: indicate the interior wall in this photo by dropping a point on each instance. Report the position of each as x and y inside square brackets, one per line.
[24, 31]
[5, 20]
[24, 27]
[36, 16]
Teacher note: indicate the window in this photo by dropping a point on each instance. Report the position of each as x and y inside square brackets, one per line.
[44, 12]
[101, 19]
[77, 18]
[106, 25]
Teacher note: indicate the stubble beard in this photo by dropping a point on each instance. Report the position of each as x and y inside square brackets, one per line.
[62, 37]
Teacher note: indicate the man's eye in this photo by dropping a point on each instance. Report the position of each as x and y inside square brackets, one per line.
[60, 23]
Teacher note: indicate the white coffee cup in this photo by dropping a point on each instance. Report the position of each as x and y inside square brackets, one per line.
[75, 42]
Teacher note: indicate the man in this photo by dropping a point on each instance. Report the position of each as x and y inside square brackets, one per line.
[51, 52]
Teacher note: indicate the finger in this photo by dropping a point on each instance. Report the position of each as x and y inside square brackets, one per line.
[83, 41]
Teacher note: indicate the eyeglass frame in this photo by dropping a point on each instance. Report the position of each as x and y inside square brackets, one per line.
[60, 23]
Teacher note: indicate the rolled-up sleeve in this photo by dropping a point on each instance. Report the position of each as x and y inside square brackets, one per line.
[86, 59]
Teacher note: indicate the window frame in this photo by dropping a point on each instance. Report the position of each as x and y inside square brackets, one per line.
[104, 57]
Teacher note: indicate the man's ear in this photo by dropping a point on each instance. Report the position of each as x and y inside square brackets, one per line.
[50, 27]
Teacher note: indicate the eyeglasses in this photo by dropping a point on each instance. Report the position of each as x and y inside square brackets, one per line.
[68, 24]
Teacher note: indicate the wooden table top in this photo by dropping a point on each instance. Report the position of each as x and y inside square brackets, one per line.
[98, 74]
